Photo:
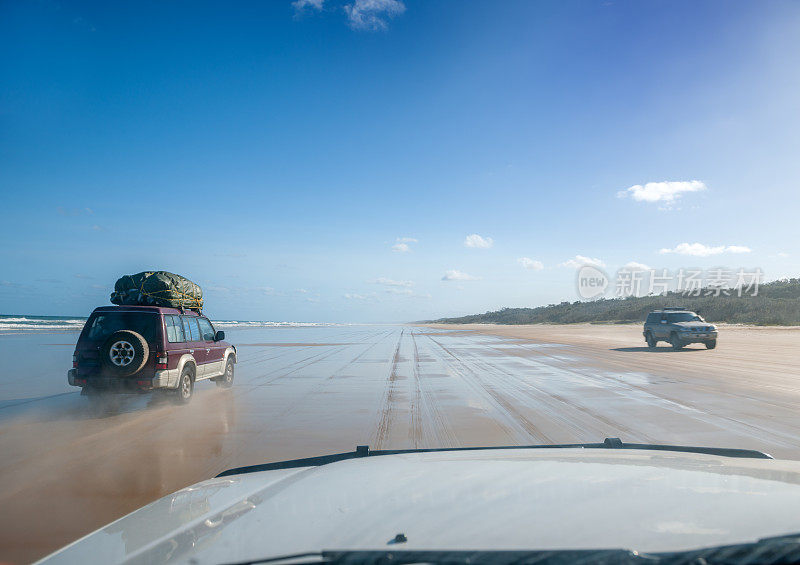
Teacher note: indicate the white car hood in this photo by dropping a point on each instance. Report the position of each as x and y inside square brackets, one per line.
[499, 499]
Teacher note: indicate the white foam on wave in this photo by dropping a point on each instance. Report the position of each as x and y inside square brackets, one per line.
[8, 323]
[33, 323]
[267, 324]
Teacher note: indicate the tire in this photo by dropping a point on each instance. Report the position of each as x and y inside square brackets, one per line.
[124, 353]
[711, 344]
[675, 341]
[226, 379]
[651, 341]
[183, 394]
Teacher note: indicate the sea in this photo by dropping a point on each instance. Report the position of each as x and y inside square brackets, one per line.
[10, 323]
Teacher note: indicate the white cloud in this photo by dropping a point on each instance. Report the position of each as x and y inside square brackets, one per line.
[666, 192]
[476, 241]
[216, 288]
[402, 244]
[634, 266]
[371, 15]
[700, 250]
[355, 296]
[406, 292]
[301, 291]
[390, 282]
[529, 263]
[580, 261]
[782, 254]
[454, 275]
[300, 5]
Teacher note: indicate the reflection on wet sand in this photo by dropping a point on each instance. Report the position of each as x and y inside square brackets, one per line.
[65, 476]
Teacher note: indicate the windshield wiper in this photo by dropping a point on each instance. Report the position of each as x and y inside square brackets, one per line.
[608, 443]
[778, 550]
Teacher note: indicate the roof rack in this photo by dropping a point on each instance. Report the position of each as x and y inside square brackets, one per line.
[608, 443]
[674, 308]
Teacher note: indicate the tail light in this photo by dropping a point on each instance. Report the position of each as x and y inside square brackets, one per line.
[161, 361]
[74, 360]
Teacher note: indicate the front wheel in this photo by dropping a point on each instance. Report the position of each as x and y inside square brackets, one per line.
[651, 341]
[226, 380]
[676, 342]
[711, 344]
[183, 394]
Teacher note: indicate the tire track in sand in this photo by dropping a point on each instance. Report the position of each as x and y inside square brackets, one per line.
[382, 431]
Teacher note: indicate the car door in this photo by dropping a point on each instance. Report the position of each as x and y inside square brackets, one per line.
[214, 351]
[661, 328]
[197, 347]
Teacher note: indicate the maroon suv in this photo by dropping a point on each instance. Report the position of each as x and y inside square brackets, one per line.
[141, 348]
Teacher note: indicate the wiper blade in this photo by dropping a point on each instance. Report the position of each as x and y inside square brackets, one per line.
[404, 557]
[781, 550]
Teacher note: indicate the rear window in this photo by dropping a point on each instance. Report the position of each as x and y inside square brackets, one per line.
[683, 317]
[174, 329]
[102, 325]
[653, 318]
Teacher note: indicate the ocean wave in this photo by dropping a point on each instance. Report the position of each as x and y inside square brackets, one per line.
[256, 324]
[34, 323]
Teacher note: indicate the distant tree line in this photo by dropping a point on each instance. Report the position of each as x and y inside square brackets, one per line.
[776, 304]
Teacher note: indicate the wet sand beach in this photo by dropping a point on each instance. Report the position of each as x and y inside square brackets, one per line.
[66, 470]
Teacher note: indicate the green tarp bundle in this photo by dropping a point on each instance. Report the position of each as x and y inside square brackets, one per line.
[157, 288]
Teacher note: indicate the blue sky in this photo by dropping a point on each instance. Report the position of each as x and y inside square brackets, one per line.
[277, 152]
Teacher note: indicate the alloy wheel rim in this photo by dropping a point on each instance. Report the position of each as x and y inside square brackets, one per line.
[121, 353]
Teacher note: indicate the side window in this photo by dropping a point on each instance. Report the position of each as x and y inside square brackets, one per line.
[174, 329]
[652, 319]
[186, 333]
[206, 329]
[192, 333]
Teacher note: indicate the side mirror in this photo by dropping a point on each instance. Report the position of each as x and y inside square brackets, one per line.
[219, 336]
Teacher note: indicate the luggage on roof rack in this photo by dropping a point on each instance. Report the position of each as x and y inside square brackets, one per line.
[157, 288]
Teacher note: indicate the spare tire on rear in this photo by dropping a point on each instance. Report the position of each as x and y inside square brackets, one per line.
[124, 353]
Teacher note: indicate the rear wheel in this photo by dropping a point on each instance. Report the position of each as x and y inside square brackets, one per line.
[226, 380]
[651, 341]
[183, 394]
[711, 344]
[675, 341]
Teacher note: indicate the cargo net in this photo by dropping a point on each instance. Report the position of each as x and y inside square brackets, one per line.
[158, 288]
